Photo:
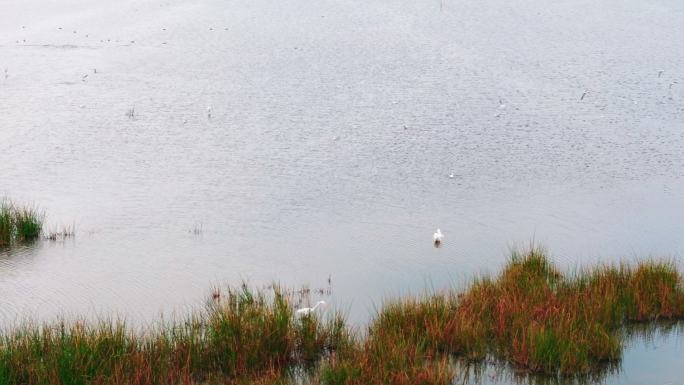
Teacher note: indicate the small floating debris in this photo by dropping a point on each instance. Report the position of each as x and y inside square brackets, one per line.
[131, 113]
[198, 229]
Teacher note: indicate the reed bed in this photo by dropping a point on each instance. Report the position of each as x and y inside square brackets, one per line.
[19, 223]
[530, 316]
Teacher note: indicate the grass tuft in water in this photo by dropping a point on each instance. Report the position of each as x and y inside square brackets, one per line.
[6, 227]
[19, 224]
[67, 231]
[28, 223]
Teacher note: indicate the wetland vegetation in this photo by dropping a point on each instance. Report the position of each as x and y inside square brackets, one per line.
[530, 316]
[19, 223]
[211, 141]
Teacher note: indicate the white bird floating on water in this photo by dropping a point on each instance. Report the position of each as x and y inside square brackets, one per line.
[437, 237]
[309, 310]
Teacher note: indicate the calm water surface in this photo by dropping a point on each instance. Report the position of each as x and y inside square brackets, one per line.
[334, 129]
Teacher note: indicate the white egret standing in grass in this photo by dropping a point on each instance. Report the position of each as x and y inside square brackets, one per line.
[309, 310]
[437, 237]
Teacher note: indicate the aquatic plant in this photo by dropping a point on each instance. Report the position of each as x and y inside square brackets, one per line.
[5, 223]
[530, 316]
[67, 231]
[240, 336]
[17, 223]
[28, 223]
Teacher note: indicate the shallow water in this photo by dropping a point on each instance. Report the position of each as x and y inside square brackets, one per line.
[334, 128]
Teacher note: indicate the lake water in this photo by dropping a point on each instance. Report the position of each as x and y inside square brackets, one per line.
[341, 135]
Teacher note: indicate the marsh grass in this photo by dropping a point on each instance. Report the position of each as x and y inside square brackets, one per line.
[19, 223]
[28, 223]
[244, 337]
[530, 317]
[6, 226]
